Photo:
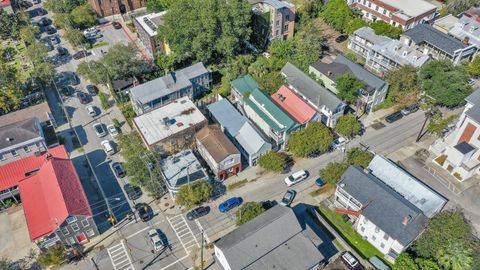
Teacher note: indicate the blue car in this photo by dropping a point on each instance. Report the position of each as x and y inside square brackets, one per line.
[229, 204]
[319, 182]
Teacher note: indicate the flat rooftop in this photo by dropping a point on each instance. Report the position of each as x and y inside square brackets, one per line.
[181, 168]
[412, 8]
[151, 22]
[168, 120]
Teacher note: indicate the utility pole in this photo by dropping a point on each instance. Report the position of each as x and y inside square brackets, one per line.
[201, 253]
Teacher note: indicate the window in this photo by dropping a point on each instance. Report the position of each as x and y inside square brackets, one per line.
[65, 231]
[75, 227]
[14, 153]
[385, 237]
[287, 17]
[377, 230]
[374, 238]
[70, 220]
[38, 144]
[285, 27]
[382, 245]
[90, 233]
[2, 157]
[85, 223]
[376, 8]
[362, 229]
[71, 241]
[26, 148]
[385, 12]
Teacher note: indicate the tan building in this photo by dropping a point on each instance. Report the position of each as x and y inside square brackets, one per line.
[106, 8]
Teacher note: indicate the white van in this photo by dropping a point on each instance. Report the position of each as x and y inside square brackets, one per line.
[296, 177]
[107, 147]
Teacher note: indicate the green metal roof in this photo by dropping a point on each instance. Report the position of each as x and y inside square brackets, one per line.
[244, 84]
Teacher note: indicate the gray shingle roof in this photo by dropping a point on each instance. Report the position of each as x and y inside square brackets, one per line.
[274, 239]
[316, 93]
[474, 98]
[464, 147]
[386, 208]
[19, 132]
[474, 113]
[426, 33]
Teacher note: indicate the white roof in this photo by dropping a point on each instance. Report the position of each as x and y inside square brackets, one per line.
[412, 8]
[181, 168]
[412, 189]
[168, 120]
[152, 18]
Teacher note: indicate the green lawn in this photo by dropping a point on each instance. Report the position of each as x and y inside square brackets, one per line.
[363, 247]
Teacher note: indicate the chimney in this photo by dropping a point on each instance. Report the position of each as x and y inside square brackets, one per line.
[367, 171]
[406, 220]
[49, 156]
[466, 40]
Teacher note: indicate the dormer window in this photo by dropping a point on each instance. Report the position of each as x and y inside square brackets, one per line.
[472, 29]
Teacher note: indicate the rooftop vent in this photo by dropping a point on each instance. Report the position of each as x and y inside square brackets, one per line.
[8, 139]
[32, 172]
[406, 220]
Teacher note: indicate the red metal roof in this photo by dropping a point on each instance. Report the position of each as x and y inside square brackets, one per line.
[51, 195]
[5, 2]
[13, 172]
[293, 105]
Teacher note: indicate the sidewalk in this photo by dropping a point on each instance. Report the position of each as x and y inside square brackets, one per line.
[376, 116]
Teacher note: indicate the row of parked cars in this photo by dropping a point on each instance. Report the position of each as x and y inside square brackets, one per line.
[400, 114]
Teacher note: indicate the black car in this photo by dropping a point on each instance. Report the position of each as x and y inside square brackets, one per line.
[92, 89]
[81, 54]
[117, 25]
[268, 204]
[50, 30]
[45, 22]
[133, 192]
[198, 212]
[62, 51]
[410, 109]
[341, 38]
[118, 169]
[83, 97]
[144, 211]
[74, 79]
[67, 90]
[394, 117]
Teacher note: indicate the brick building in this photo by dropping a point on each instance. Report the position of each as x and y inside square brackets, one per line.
[106, 8]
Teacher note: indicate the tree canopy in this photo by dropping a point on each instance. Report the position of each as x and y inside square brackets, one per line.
[248, 211]
[158, 5]
[273, 161]
[354, 24]
[337, 14]
[458, 6]
[385, 29]
[235, 68]
[348, 86]
[36, 52]
[10, 24]
[333, 171]
[193, 194]
[445, 83]
[83, 16]
[473, 66]
[348, 126]
[315, 138]
[404, 85]
[359, 157]
[62, 6]
[29, 33]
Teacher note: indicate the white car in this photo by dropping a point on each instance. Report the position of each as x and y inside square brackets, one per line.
[107, 147]
[296, 177]
[112, 130]
[156, 240]
[91, 110]
[340, 142]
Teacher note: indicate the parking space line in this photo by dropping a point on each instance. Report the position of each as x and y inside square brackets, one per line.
[175, 262]
[201, 229]
[144, 229]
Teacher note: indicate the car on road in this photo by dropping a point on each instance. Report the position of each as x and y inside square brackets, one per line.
[118, 169]
[92, 89]
[288, 197]
[67, 90]
[350, 261]
[62, 51]
[229, 204]
[319, 182]
[112, 130]
[410, 109]
[133, 192]
[394, 117]
[156, 240]
[91, 110]
[99, 130]
[339, 142]
[81, 54]
[82, 97]
[296, 177]
[341, 38]
[117, 25]
[144, 211]
[198, 212]
[107, 147]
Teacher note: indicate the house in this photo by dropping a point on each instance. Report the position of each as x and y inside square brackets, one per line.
[239, 130]
[272, 20]
[438, 44]
[219, 152]
[473, 12]
[123, 85]
[106, 8]
[280, 238]
[369, 97]
[458, 151]
[405, 14]
[326, 103]
[383, 54]
[6, 5]
[21, 139]
[295, 106]
[258, 107]
[172, 125]
[181, 169]
[147, 26]
[55, 205]
[190, 81]
[465, 29]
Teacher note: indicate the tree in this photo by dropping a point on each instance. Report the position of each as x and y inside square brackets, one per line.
[159, 5]
[425, 264]
[193, 194]
[206, 30]
[473, 67]
[62, 6]
[28, 34]
[248, 211]
[315, 138]
[405, 261]
[348, 126]
[94, 71]
[354, 25]
[359, 157]
[308, 46]
[273, 161]
[10, 94]
[122, 61]
[235, 68]
[75, 37]
[43, 73]
[337, 14]
[62, 20]
[270, 82]
[5, 264]
[445, 83]
[333, 171]
[37, 52]
[458, 6]
[404, 85]
[437, 123]
[53, 256]
[455, 257]
[385, 29]
[348, 86]
[10, 24]
[166, 62]
[283, 49]
[84, 16]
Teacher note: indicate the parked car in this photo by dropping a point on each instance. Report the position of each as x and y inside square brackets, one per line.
[92, 89]
[73, 78]
[410, 109]
[296, 177]
[54, 40]
[341, 38]
[50, 30]
[91, 110]
[99, 130]
[157, 241]
[83, 97]
[44, 21]
[117, 25]
[81, 54]
[350, 260]
[112, 130]
[36, 2]
[91, 30]
[229, 204]
[470, 81]
[339, 142]
[394, 117]
[133, 192]
[144, 211]
[48, 44]
[198, 212]
[268, 204]
[288, 197]
[107, 147]
[319, 182]
[67, 90]
[118, 169]
[62, 51]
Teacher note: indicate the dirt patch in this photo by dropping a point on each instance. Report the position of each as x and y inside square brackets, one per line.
[378, 125]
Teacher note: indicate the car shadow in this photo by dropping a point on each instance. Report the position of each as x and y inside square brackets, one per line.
[82, 135]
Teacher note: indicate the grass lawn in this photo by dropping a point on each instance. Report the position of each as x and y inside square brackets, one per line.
[362, 246]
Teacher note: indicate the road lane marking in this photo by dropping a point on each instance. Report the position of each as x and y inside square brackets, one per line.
[119, 257]
[185, 233]
[144, 229]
